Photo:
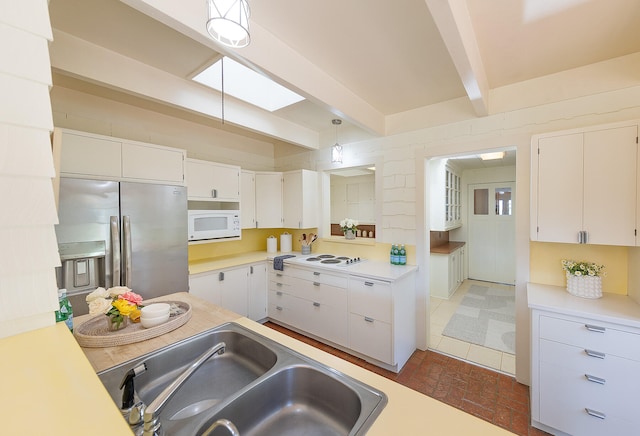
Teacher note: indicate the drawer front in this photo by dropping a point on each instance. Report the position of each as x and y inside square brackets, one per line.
[371, 338]
[327, 322]
[326, 294]
[370, 298]
[616, 370]
[565, 396]
[340, 281]
[591, 335]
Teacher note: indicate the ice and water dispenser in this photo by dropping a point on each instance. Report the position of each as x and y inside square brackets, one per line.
[82, 270]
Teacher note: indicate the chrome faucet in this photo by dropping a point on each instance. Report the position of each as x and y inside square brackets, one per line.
[152, 425]
[233, 430]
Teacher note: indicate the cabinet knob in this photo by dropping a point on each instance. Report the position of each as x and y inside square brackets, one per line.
[367, 319]
[214, 193]
[315, 273]
[278, 307]
[316, 304]
[279, 294]
[368, 283]
[316, 284]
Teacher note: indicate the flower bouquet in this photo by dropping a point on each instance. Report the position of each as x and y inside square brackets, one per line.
[349, 227]
[119, 304]
[583, 278]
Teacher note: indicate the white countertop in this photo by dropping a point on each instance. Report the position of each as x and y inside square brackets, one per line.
[366, 268]
[611, 308]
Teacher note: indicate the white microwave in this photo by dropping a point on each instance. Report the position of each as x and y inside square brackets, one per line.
[213, 224]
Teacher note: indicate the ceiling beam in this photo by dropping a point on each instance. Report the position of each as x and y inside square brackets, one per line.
[271, 56]
[454, 24]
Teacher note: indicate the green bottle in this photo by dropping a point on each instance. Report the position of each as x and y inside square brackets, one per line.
[396, 255]
[65, 311]
[403, 255]
[393, 246]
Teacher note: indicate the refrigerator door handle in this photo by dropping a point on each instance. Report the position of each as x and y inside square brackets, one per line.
[126, 230]
[115, 250]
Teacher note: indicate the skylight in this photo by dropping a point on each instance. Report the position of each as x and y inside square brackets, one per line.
[247, 85]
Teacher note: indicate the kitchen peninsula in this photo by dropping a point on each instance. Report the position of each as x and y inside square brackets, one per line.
[72, 401]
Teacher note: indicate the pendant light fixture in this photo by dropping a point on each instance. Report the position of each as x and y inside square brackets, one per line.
[228, 22]
[336, 149]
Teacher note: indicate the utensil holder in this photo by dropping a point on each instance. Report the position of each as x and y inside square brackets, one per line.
[306, 249]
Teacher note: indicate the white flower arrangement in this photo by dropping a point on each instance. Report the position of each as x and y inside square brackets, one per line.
[349, 224]
[582, 268]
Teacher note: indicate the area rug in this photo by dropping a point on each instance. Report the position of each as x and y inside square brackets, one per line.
[486, 317]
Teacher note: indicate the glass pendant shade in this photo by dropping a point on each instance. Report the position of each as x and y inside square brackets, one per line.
[336, 153]
[228, 22]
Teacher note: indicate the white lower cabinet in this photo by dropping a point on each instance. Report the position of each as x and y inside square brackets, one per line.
[584, 370]
[312, 301]
[372, 318]
[447, 273]
[239, 289]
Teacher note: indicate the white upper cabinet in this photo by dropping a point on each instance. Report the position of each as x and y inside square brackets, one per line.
[300, 199]
[268, 200]
[446, 196]
[211, 181]
[584, 186]
[94, 156]
[248, 199]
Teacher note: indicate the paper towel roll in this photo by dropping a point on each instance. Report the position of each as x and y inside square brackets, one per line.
[272, 244]
[285, 242]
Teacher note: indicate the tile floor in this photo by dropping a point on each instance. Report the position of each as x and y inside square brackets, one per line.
[442, 310]
[487, 394]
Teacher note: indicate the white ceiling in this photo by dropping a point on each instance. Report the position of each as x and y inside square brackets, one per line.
[389, 57]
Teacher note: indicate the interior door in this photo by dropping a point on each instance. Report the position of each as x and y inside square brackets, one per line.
[491, 244]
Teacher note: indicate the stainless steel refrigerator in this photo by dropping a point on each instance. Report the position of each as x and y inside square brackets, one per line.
[121, 233]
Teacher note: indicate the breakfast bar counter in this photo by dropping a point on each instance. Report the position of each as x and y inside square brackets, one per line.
[66, 396]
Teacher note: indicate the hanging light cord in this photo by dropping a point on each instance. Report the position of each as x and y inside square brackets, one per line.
[222, 87]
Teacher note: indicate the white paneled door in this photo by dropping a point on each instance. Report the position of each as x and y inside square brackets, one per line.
[491, 243]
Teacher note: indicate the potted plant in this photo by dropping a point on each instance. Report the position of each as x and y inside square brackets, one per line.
[349, 227]
[584, 279]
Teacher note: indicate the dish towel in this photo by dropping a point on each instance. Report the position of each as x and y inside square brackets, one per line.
[278, 261]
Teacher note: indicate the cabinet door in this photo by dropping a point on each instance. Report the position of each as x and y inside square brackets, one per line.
[268, 200]
[204, 286]
[248, 199]
[86, 155]
[258, 291]
[152, 163]
[610, 158]
[212, 181]
[233, 285]
[560, 182]
[300, 199]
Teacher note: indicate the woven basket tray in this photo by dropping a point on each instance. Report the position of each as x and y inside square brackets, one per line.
[94, 333]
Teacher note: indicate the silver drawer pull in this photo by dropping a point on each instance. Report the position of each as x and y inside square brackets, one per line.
[315, 273]
[279, 294]
[595, 328]
[367, 319]
[316, 304]
[316, 283]
[278, 275]
[595, 413]
[592, 353]
[278, 284]
[594, 379]
[279, 307]
[368, 283]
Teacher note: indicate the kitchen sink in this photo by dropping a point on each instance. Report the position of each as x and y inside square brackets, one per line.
[261, 386]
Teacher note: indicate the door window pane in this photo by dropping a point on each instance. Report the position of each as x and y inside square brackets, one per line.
[503, 201]
[481, 201]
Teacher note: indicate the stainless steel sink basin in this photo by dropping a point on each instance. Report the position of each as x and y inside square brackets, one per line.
[263, 387]
[295, 398]
[244, 360]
